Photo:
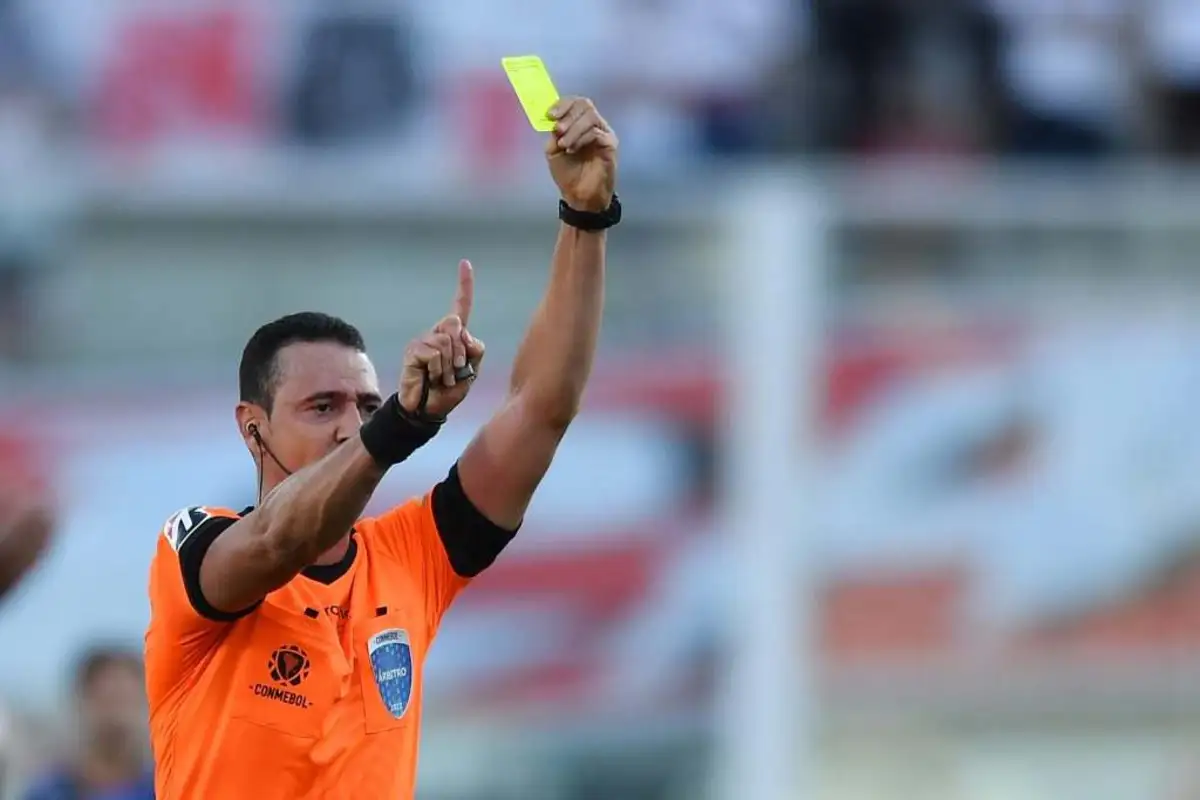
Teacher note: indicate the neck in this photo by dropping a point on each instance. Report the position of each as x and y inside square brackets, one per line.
[335, 553]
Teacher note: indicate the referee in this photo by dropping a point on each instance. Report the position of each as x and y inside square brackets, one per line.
[287, 641]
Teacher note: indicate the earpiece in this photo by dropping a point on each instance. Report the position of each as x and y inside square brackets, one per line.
[264, 451]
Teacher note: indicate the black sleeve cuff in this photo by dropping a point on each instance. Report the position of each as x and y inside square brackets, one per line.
[472, 541]
[191, 554]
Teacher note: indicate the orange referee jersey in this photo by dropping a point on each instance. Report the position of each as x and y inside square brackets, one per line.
[315, 692]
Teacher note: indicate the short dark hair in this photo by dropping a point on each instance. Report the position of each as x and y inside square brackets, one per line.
[258, 373]
[97, 659]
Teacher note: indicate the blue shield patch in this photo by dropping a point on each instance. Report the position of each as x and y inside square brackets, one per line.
[390, 652]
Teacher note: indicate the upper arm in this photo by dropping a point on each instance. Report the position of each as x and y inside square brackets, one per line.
[506, 461]
[192, 535]
[232, 565]
[443, 541]
[183, 628]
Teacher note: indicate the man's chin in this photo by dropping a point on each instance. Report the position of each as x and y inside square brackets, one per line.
[115, 739]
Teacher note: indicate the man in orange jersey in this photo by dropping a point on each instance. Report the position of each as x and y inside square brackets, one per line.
[286, 642]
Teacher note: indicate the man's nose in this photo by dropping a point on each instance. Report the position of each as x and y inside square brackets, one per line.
[349, 424]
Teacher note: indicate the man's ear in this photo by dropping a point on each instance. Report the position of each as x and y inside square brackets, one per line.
[250, 419]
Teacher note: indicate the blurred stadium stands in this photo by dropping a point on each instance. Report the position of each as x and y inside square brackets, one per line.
[1008, 520]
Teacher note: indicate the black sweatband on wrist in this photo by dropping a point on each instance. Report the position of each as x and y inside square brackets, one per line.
[590, 220]
[392, 435]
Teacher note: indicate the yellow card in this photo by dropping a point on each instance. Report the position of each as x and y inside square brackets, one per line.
[534, 89]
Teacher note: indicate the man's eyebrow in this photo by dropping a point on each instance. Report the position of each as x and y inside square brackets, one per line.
[328, 397]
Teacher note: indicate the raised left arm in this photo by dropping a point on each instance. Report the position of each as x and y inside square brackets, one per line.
[503, 465]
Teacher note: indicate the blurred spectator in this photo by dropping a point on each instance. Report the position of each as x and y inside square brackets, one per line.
[24, 740]
[8, 754]
[1172, 61]
[1068, 69]
[110, 761]
[30, 126]
[16, 285]
[900, 77]
[356, 77]
[691, 76]
[859, 42]
[20, 61]
[32, 111]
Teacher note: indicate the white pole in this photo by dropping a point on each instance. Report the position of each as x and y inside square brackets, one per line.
[774, 331]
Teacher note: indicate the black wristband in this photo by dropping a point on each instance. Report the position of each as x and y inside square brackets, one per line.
[392, 434]
[590, 220]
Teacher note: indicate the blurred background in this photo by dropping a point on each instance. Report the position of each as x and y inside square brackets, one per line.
[996, 538]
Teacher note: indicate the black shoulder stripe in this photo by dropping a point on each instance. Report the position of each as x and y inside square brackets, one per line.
[472, 541]
[192, 549]
[183, 524]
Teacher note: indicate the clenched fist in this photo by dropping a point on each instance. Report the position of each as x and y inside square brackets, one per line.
[440, 366]
[582, 153]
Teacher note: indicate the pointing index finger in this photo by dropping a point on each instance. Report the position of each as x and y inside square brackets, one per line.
[464, 296]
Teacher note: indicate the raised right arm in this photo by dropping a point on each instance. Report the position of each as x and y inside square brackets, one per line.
[235, 563]
[231, 563]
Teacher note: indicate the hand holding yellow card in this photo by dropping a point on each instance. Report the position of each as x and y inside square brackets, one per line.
[534, 89]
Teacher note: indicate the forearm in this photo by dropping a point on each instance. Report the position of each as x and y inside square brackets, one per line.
[555, 358]
[312, 510]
